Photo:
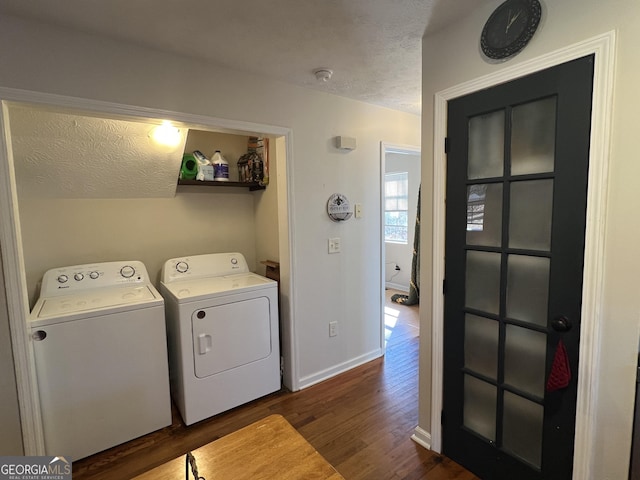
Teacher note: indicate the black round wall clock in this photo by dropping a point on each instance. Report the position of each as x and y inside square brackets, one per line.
[510, 27]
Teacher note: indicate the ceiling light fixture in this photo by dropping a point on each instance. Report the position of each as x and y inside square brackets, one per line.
[323, 74]
[166, 134]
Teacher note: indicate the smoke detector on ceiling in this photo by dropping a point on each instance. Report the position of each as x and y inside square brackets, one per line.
[323, 74]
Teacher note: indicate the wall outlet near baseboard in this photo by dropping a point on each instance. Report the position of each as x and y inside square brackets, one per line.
[333, 329]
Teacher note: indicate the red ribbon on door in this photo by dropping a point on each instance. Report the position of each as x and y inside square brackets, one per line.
[560, 374]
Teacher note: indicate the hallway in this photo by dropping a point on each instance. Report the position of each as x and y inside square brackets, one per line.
[360, 421]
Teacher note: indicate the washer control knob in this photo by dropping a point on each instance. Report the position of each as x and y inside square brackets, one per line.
[78, 277]
[234, 261]
[39, 335]
[93, 275]
[182, 267]
[127, 271]
[63, 279]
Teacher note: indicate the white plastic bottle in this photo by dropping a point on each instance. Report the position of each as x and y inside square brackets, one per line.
[205, 169]
[220, 167]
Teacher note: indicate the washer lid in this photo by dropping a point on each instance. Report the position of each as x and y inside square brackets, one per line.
[197, 289]
[101, 300]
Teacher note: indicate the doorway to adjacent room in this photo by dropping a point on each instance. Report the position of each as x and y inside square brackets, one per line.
[400, 234]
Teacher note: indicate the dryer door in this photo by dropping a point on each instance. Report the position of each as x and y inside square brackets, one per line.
[230, 335]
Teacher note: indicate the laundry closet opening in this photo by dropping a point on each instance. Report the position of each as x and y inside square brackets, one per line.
[95, 185]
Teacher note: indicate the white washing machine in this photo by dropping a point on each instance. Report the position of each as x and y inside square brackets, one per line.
[223, 333]
[100, 346]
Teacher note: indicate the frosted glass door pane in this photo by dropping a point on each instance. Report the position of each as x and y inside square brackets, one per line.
[524, 362]
[482, 287]
[480, 407]
[530, 214]
[486, 145]
[533, 137]
[481, 345]
[484, 214]
[528, 288]
[522, 428]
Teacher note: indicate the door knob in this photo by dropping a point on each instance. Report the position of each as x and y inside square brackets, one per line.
[561, 324]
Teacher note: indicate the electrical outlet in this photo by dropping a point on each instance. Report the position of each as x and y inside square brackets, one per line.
[333, 329]
[358, 210]
[334, 245]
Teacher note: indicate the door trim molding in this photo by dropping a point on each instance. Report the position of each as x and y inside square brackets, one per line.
[603, 48]
[17, 298]
[13, 255]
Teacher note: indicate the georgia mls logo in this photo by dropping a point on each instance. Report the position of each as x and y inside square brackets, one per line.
[35, 468]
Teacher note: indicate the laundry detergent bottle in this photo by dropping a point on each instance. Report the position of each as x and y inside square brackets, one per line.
[220, 167]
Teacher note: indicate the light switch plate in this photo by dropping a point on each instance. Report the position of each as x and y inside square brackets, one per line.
[358, 210]
[334, 245]
[333, 329]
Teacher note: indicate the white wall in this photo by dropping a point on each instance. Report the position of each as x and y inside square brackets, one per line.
[452, 57]
[266, 221]
[398, 253]
[343, 287]
[59, 232]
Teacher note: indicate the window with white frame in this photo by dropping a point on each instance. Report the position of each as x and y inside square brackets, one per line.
[396, 206]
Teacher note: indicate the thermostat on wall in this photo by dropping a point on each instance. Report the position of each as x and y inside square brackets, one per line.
[346, 143]
[339, 208]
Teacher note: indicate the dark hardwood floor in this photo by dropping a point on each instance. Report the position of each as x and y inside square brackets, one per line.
[360, 421]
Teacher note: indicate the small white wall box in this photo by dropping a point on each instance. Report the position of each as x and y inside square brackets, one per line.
[346, 143]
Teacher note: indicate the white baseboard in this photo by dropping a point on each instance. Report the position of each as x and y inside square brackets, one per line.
[397, 286]
[340, 368]
[422, 438]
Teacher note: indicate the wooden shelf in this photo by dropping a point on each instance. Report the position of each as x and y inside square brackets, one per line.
[252, 186]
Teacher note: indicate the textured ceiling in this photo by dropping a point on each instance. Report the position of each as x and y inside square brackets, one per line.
[373, 46]
[67, 155]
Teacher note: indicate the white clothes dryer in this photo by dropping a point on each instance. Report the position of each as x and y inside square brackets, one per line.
[99, 339]
[223, 335]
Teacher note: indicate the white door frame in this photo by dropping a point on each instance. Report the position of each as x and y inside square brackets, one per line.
[384, 149]
[13, 255]
[603, 48]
